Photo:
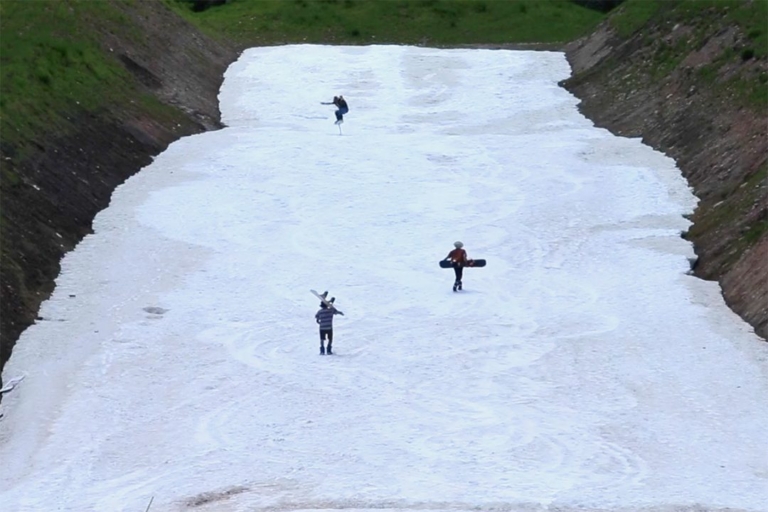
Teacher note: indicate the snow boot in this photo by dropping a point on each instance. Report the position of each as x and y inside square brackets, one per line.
[322, 350]
[459, 285]
[329, 352]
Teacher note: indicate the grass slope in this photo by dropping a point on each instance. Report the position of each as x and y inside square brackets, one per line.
[750, 16]
[52, 61]
[49, 61]
[432, 22]
[52, 57]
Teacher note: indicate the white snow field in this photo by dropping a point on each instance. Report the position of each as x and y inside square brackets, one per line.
[581, 369]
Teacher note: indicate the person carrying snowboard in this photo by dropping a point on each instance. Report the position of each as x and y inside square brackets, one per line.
[341, 105]
[459, 260]
[324, 318]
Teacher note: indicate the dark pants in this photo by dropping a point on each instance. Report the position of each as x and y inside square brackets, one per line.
[459, 271]
[340, 113]
[326, 333]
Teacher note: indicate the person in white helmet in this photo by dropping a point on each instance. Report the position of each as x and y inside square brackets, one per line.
[459, 260]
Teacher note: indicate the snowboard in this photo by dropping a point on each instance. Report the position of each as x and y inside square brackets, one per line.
[470, 263]
[11, 384]
[324, 298]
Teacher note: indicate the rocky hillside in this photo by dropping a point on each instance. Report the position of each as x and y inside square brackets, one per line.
[692, 81]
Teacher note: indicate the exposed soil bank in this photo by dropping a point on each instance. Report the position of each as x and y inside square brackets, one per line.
[719, 141]
[53, 186]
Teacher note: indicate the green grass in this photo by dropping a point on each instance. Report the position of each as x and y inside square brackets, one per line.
[51, 64]
[702, 18]
[751, 15]
[47, 64]
[51, 61]
[633, 14]
[432, 22]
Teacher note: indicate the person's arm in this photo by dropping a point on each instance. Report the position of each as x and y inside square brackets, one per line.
[337, 312]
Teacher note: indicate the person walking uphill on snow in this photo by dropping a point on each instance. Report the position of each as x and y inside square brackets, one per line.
[459, 260]
[324, 318]
[342, 106]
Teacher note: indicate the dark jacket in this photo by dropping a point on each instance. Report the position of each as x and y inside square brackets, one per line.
[340, 102]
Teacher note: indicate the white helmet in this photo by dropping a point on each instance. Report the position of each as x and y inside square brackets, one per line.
[458, 245]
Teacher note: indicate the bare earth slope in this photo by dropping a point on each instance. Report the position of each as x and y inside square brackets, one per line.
[66, 178]
[690, 106]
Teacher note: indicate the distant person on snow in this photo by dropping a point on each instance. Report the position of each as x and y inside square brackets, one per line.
[341, 105]
[324, 317]
[459, 260]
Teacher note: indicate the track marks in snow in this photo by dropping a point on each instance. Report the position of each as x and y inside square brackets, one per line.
[256, 344]
[541, 383]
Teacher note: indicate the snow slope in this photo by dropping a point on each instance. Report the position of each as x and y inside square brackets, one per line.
[581, 369]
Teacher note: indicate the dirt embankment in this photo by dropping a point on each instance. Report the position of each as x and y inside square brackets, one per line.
[63, 180]
[691, 107]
